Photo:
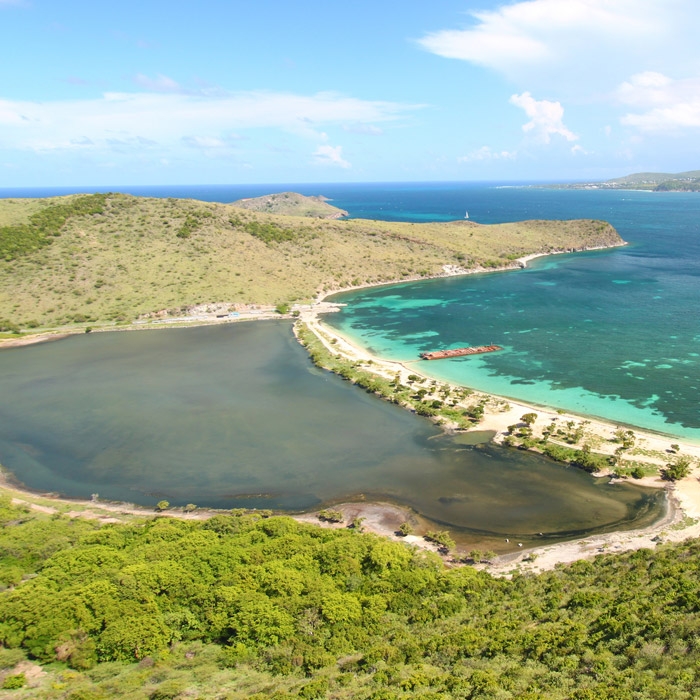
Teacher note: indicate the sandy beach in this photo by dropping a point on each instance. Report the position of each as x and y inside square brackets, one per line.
[651, 449]
[682, 520]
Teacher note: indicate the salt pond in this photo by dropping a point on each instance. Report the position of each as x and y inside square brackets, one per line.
[236, 416]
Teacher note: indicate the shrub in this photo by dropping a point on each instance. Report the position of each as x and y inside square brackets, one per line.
[678, 469]
[405, 529]
[13, 682]
[330, 516]
[8, 326]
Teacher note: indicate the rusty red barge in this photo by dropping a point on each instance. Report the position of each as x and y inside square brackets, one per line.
[458, 352]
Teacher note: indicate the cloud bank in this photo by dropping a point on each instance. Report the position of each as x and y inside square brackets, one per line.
[670, 105]
[169, 117]
[558, 39]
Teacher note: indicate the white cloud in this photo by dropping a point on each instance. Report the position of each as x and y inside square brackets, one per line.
[578, 45]
[170, 117]
[546, 118]
[670, 105]
[82, 141]
[207, 142]
[330, 155]
[485, 153]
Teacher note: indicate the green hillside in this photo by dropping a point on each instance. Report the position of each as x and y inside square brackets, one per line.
[657, 182]
[248, 606]
[105, 258]
[654, 179]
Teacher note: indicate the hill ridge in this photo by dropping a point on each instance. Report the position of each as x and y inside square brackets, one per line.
[131, 256]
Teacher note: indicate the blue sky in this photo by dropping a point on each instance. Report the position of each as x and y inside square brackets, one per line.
[215, 92]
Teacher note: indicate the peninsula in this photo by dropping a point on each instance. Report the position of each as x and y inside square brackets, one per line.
[656, 182]
[110, 259]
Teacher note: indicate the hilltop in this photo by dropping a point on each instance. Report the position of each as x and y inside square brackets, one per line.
[112, 257]
[292, 204]
[658, 182]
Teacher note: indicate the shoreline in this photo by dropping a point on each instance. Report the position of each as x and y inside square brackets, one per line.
[264, 312]
[682, 518]
[458, 271]
[680, 522]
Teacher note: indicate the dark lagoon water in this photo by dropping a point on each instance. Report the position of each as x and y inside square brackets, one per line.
[236, 416]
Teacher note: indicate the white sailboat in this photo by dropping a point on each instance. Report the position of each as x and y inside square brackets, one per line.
[466, 214]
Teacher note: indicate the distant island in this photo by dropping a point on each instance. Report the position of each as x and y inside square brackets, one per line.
[655, 182]
[292, 204]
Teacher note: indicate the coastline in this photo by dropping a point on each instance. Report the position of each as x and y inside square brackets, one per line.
[680, 522]
[682, 519]
[458, 271]
[255, 312]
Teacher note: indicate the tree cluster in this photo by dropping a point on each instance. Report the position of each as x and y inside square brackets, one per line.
[312, 612]
[46, 224]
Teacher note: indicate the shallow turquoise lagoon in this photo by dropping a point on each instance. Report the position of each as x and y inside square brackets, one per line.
[612, 333]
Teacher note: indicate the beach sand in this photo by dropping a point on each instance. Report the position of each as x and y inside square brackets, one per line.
[681, 522]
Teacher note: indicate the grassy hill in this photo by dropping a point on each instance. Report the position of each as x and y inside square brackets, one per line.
[292, 204]
[654, 179]
[112, 257]
[688, 181]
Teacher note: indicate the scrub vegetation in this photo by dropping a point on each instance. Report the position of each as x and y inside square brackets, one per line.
[247, 606]
[109, 258]
[460, 408]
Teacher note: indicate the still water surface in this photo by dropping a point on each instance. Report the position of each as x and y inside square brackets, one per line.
[236, 416]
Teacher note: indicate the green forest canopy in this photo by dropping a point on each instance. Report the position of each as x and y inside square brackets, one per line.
[284, 609]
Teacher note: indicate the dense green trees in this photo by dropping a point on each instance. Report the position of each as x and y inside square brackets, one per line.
[292, 610]
[677, 469]
[45, 224]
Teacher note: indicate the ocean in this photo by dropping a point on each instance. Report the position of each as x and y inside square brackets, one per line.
[614, 334]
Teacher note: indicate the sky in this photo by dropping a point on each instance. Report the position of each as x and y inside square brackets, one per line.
[155, 92]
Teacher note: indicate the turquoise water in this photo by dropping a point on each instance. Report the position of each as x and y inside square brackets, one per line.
[237, 416]
[614, 334]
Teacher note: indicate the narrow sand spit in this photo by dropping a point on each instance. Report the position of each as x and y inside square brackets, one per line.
[683, 517]
[681, 522]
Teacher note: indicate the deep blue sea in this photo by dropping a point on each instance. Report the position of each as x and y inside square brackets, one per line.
[614, 334]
